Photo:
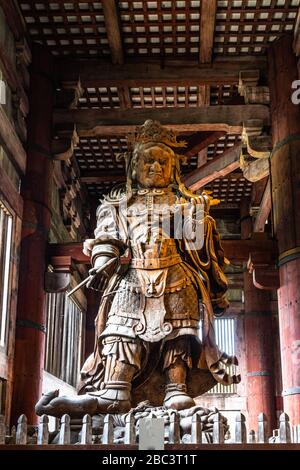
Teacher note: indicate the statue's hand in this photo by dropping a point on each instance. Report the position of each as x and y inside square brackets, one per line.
[102, 272]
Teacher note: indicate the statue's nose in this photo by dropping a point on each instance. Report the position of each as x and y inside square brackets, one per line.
[156, 166]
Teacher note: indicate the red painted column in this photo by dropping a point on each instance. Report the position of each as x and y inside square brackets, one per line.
[259, 351]
[285, 173]
[36, 191]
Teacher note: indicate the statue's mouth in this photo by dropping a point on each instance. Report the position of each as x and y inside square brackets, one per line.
[155, 173]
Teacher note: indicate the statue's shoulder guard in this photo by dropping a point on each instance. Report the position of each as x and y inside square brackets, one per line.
[116, 195]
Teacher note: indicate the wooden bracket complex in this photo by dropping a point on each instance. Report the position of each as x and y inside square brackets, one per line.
[264, 270]
[59, 279]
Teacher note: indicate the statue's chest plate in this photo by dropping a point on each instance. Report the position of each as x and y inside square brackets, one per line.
[150, 217]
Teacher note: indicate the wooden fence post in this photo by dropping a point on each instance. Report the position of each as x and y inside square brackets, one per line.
[86, 431]
[218, 430]
[251, 437]
[108, 430]
[284, 429]
[2, 430]
[64, 432]
[262, 429]
[43, 430]
[240, 429]
[21, 435]
[196, 432]
[174, 428]
[129, 430]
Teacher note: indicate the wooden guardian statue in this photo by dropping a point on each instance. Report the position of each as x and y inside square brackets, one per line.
[158, 266]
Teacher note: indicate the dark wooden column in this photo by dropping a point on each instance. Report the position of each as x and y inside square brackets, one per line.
[36, 192]
[259, 343]
[285, 172]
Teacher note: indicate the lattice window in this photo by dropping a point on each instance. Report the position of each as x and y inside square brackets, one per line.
[6, 238]
[64, 337]
[67, 28]
[225, 339]
[248, 26]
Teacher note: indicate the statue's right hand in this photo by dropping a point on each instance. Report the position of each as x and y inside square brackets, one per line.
[101, 272]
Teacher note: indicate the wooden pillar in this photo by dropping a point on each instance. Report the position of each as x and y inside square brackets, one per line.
[285, 173]
[259, 343]
[36, 192]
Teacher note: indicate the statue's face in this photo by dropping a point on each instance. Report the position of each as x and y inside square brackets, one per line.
[154, 167]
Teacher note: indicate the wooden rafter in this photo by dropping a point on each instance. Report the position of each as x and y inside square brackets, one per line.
[113, 31]
[93, 122]
[221, 166]
[207, 29]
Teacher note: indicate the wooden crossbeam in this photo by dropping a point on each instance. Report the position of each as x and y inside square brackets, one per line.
[220, 166]
[264, 210]
[235, 250]
[137, 72]
[95, 122]
[113, 31]
[207, 29]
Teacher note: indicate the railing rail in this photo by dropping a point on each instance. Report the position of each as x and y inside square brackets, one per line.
[83, 433]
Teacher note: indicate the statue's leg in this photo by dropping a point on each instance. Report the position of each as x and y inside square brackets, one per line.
[176, 361]
[121, 357]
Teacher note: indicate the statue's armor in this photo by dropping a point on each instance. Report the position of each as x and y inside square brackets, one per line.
[157, 298]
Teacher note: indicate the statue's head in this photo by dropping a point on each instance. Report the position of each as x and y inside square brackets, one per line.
[153, 165]
[153, 161]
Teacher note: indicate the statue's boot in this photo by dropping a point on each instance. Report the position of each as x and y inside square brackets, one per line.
[176, 396]
[115, 396]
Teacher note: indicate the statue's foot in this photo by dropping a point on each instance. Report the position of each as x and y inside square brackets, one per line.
[76, 406]
[114, 398]
[177, 398]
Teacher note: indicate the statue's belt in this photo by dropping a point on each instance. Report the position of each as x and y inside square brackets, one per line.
[155, 263]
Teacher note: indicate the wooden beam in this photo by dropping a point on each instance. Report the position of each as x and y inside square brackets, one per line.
[93, 122]
[199, 141]
[207, 30]
[235, 250]
[264, 210]
[220, 166]
[11, 143]
[10, 193]
[152, 72]
[96, 177]
[113, 31]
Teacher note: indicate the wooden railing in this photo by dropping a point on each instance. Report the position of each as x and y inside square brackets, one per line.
[24, 434]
